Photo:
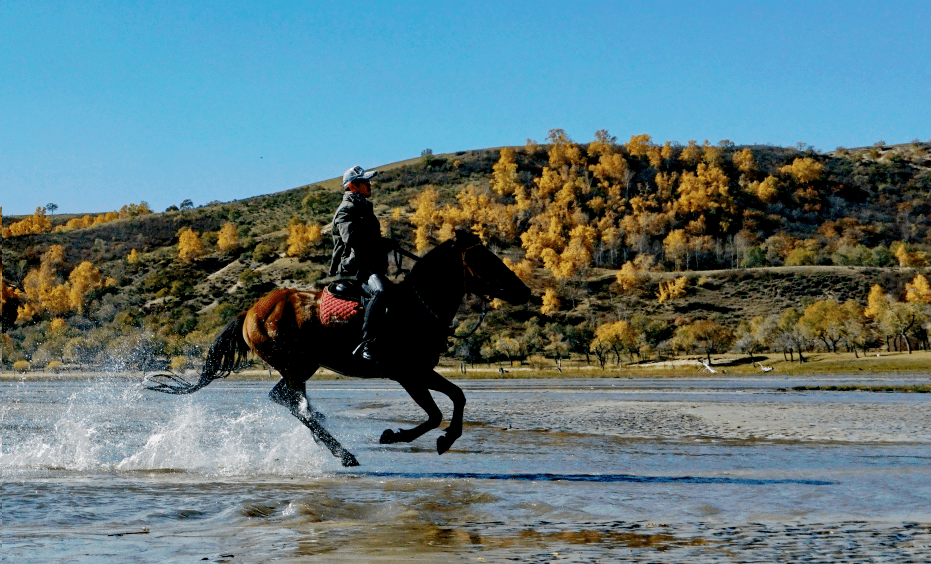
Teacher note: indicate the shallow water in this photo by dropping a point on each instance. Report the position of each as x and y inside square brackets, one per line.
[730, 470]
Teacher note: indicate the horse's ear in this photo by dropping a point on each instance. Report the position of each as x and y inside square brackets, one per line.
[465, 237]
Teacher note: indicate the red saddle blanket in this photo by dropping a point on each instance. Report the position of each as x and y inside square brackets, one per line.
[335, 311]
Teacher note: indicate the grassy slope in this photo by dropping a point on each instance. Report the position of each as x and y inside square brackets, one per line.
[730, 295]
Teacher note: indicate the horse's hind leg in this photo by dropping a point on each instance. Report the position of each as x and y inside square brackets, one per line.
[293, 396]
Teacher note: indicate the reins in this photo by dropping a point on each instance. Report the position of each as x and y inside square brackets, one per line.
[398, 250]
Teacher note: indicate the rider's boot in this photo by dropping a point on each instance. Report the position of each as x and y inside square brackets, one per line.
[374, 311]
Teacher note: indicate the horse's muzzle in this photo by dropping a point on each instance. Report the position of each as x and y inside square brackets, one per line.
[515, 296]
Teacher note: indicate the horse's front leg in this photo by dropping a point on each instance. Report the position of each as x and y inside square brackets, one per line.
[454, 431]
[285, 394]
[421, 394]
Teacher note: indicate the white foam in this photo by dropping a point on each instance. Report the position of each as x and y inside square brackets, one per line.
[111, 425]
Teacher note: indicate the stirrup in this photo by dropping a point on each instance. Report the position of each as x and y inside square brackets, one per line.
[364, 350]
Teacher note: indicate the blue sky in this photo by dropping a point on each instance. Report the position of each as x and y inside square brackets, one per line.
[108, 103]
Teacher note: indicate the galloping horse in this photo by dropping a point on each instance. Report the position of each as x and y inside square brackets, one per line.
[284, 329]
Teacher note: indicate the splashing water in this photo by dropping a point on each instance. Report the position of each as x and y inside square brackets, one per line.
[110, 425]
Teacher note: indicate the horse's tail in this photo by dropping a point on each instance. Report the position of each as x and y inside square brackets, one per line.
[228, 352]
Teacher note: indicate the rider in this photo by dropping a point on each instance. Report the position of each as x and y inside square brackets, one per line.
[360, 252]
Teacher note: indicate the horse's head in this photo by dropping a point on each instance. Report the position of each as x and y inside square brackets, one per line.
[485, 274]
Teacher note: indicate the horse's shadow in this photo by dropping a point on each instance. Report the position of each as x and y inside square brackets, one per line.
[598, 478]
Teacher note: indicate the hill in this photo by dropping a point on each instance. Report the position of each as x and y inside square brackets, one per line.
[753, 231]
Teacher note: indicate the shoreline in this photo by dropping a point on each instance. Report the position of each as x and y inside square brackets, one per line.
[817, 364]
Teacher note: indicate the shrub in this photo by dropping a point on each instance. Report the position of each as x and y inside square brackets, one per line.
[538, 362]
[263, 253]
[180, 363]
[54, 367]
[21, 366]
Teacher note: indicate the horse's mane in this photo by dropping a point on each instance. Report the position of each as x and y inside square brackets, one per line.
[429, 261]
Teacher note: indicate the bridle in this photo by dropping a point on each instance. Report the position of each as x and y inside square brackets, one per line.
[467, 272]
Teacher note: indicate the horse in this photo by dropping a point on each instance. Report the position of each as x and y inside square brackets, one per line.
[285, 330]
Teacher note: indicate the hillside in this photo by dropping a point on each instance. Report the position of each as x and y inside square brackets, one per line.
[745, 251]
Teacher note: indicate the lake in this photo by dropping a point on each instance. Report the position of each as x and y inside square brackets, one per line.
[581, 470]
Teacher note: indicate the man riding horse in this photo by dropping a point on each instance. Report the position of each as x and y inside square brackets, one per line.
[360, 253]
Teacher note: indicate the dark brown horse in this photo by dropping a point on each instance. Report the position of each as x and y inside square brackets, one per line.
[283, 329]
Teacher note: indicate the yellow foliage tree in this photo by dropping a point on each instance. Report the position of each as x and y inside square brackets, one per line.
[425, 217]
[876, 302]
[918, 290]
[711, 155]
[706, 192]
[618, 336]
[672, 290]
[909, 259]
[691, 153]
[744, 161]
[504, 173]
[133, 257]
[563, 152]
[190, 246]
[629, 277]
[551, 302]
[676, 245]
[10, 299]
[639, 145]
[82, 280]
[804, 170]
[302, 237]
[523, 269]
[228, 238]
[767, 190]
[35, 223]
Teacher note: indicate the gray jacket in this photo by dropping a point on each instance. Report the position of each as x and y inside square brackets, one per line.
[358, 247]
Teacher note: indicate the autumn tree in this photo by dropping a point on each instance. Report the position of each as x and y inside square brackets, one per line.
[504, 173]
[619, 336]
[789, 334]
[676, 246]
[744, 161]
[629, 277]
[704, 336]
[705, 196]
[508, 346]
[551, 302]
[84, 279]
[907, 258]
[767, 190]
[918, 290]
[425, 217]
[672, 289]
[228, 237]
[190, 246]
[302, 237]
[825, 320]
[639, 145]
[35, 223]
[691, 153]
[804, 170]
[893, 317]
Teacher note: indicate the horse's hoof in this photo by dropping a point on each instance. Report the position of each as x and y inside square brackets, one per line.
[349, 460]
[388, 437]
[444, 443]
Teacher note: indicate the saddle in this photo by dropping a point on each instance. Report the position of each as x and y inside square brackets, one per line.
[341, 303]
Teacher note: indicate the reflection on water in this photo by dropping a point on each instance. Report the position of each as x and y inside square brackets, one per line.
[545, 471]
